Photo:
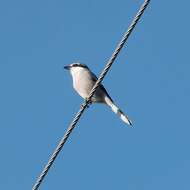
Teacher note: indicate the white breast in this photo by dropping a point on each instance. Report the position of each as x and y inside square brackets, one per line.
[82, 82]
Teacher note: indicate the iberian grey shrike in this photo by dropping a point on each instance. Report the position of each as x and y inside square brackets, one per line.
[83, 82]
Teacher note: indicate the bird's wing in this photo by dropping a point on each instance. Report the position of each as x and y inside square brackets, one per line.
[94, 78]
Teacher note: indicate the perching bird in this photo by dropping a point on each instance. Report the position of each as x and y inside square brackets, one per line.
[83, 82]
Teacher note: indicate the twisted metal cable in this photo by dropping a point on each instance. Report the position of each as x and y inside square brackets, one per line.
[87, 101]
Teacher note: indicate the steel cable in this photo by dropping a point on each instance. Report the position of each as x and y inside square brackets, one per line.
[87, 101]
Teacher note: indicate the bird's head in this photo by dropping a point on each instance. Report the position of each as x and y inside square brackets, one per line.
[76, 67]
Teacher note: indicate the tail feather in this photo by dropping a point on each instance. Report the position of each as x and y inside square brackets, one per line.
[117, 111]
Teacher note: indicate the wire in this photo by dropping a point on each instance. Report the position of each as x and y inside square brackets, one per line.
[87, 101]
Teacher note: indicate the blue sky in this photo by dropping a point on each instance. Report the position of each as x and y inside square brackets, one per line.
[149, 81]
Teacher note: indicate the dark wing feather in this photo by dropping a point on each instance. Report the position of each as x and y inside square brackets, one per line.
[94, 78]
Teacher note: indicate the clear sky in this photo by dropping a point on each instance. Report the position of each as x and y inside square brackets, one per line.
[150, 81]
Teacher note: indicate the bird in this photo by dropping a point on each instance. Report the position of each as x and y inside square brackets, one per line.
[84, 80]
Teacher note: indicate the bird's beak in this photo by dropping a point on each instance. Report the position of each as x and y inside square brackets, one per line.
[67, 67]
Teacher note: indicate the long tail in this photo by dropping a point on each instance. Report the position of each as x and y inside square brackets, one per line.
[117, 111]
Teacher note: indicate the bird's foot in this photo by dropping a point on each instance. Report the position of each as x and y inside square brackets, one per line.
[87, 106]
[89, 102]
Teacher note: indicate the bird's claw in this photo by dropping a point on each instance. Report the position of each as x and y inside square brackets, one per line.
[82, 106]
[89, 102]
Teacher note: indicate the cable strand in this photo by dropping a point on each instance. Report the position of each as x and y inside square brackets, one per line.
[87, 101]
